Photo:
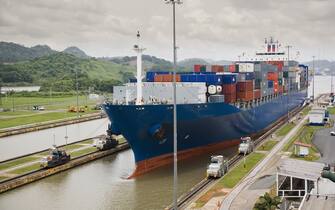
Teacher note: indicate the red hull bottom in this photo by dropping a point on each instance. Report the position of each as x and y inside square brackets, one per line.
[145, 166]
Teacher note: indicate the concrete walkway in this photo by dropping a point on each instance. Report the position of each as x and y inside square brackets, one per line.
[251, 177]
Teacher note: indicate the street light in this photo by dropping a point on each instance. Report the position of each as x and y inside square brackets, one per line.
[175, 174]
[77, 93]
[288, 81]
[313, 76]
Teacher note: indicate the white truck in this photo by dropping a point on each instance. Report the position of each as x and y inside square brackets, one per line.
[218, 167]
[246, 146]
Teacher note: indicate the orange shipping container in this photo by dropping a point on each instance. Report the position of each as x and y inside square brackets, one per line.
[245, 86]
[166, 78]
[273, 76]
[245, 96]
[217, 68]
[257, 93]
[229, 89]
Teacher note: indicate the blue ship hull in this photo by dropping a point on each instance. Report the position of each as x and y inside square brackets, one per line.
[149, 128]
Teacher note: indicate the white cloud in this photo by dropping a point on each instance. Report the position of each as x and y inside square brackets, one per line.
[218, 29]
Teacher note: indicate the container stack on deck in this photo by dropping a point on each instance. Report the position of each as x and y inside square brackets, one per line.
[241, 81]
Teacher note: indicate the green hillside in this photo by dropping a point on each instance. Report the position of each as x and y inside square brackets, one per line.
[58, 71]
[12, 52]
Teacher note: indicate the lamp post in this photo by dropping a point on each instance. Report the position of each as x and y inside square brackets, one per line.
[77, 93]
[175, 174]
[313, 76]
[288, 81]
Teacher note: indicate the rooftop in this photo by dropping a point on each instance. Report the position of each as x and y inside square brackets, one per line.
[313, 202]
[300, 169]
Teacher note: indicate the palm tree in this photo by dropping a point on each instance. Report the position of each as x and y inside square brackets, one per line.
[267, 202]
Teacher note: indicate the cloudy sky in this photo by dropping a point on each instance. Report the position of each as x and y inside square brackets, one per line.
[216, 29]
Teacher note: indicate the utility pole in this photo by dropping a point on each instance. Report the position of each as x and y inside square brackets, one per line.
[175, 173]
[77, 93]
[13, 104]
[313, 77]
[288, 81]
[0, 92]
[66, 137]
[331, 82]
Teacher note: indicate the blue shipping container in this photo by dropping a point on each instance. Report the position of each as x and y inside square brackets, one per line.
[132, 80]
[270, 84]
[229, 78]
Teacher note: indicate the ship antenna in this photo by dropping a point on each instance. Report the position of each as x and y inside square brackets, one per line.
[139, 52]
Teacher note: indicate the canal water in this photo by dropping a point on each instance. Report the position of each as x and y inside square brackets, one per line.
[17, 145]
[101, 184]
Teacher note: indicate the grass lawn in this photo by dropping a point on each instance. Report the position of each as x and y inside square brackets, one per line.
[88, 141]
[331, 110]
[16, 113]
[12, 122]
[23, 106]
[21, 102]
[305, 135]
[306, 110]
[231, 179]
[268, 145]
[19, 161]
[284, 130]
[27, 169]
[72, 147]
[83, 152]
[3, 178]
[237, 173]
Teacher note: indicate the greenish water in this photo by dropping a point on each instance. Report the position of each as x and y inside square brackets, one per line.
[102, 185]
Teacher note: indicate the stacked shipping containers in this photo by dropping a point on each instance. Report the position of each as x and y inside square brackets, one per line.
[243, 81]
[229, 88]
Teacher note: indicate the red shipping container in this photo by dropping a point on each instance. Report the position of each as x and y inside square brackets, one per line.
[273, 76]
[257, 93]
[197, 68]
[245, 86]
[229, 89]
[275, 88]
[230, 98]
[232, 68]
[245, 96]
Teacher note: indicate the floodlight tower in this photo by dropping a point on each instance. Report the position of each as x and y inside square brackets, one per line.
[175, 174]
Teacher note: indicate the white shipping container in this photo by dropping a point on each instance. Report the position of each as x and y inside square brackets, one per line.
[246, 67]
[161, 92]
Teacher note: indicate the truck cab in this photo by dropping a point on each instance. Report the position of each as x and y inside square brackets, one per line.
[246, 146]
[217, 167]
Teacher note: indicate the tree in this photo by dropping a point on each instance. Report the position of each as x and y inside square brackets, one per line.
[267, 202]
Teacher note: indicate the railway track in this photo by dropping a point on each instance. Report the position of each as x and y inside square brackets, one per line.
[184, 199]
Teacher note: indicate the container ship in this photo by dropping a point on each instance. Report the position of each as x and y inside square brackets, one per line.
[216, 105]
